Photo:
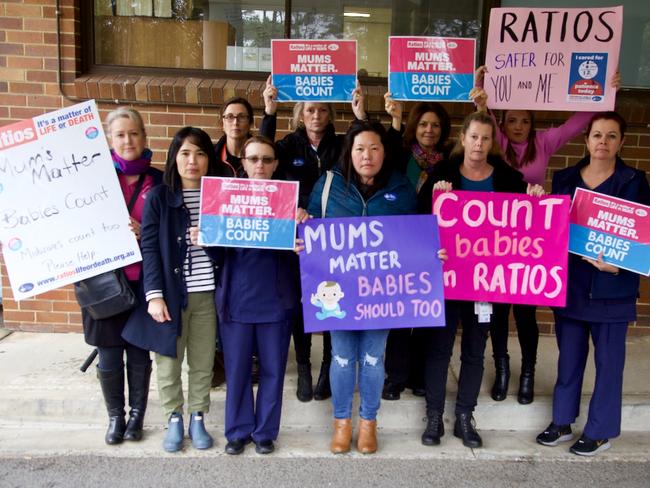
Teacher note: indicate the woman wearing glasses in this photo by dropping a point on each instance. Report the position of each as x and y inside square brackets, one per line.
[304, 155]
[254, 316]
[237, 118]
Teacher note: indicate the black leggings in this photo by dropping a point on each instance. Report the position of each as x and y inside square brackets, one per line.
[112, 358]
[527, 332]
[302, 342]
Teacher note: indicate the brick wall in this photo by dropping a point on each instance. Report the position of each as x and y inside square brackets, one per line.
[29, 87]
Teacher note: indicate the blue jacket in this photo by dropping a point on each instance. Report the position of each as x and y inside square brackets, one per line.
[164, 225]
[255, 285]
[345, 200]
[615, 294]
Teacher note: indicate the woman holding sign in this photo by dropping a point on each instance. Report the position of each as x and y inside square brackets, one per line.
[304, 155]
[255, 315]
[529, 151]
[424, 144]
[179, 315]
[601, 300]
[473, 165]
[365, 185]
[132, 160]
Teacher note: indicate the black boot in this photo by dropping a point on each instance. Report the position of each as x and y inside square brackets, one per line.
[218, 370]
[138, 376]
[305, 393]
[434, 430]
[526, 383]
[464, 429]
[322, 390]
[501, 379]
[112, 383]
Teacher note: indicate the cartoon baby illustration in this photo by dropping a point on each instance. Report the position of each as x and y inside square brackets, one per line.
[327, 297]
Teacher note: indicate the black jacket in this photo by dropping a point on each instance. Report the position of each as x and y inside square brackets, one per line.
[298, 159]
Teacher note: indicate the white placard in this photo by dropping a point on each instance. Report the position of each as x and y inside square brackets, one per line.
[62, 212]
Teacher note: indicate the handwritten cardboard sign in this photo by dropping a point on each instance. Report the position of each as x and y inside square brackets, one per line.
[503, 247]
[617, 228]
[371, 273]
[62, 213]
[431, 68]
[315, 71]
[553, 58]
[239, 212]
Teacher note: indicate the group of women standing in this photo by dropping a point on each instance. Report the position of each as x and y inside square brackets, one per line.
[340, 176]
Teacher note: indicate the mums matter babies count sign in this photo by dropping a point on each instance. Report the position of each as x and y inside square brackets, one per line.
[62, 213]
[553, 58]
[316, 71]
[371, 273]
[503, 247]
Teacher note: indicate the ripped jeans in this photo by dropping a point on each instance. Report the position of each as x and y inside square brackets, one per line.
[364, 348]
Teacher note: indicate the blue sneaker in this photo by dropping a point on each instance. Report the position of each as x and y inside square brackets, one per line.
[174, 439]
[200, 437]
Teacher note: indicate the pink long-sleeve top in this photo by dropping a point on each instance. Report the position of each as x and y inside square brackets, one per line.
[547, 142]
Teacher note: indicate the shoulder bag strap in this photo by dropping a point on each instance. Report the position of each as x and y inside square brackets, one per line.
[136, 192]
[326, 193]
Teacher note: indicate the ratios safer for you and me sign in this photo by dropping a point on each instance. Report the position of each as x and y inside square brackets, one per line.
[316, 71]
[618, 229]
[431, 68]
[553, 58]
[371, 273]
[240, 212]
[503, 247]
[62, 213]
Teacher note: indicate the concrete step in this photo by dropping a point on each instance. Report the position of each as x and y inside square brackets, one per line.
[42, 384]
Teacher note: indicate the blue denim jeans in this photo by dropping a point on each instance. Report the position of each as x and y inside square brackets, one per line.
[363, 349]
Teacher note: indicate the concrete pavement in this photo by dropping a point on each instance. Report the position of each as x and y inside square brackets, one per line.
[48, 407]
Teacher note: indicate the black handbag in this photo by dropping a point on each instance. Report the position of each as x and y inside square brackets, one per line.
[109, 293]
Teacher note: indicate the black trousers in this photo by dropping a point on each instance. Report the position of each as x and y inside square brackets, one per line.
[527, 332]
[439, 344]
[302, 342]
[404, 360]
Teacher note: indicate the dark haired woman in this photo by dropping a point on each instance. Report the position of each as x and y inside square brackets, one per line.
[601, 300]
[179, 316]
[304, 155]
[365, 185]
[128, 140]
[425, 142]
[476, 166]
[237, 120]
[255, 315]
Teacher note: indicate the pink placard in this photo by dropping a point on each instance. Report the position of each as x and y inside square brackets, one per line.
[553, 59]
[504, 247]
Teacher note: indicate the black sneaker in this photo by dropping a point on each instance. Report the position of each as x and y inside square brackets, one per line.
[554, 434]
[589, 447]
[391, 390]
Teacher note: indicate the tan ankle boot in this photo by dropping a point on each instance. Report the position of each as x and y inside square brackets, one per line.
[367, 441]
[342, 436]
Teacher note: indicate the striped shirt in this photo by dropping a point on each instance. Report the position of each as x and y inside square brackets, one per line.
[198, 269]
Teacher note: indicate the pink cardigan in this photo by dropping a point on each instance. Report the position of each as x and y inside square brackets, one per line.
[547, 142]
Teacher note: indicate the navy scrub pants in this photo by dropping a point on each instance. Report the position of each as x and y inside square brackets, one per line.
[604, 419]
[245, 418]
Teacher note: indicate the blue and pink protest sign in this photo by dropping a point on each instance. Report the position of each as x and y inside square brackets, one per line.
[431, 68]
[362, 273]
[238, 212]
[504, 247]
[618, 229]
[315, 71]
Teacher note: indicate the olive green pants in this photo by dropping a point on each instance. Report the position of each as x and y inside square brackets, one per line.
[199, 323]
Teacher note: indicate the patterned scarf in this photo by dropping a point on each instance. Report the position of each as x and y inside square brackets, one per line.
[425, 161]
[135, 167]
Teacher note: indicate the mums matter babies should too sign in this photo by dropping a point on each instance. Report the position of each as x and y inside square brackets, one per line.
[62, 213]
[553, 58]
[240, 212]
[502, 247]
[371, 273]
